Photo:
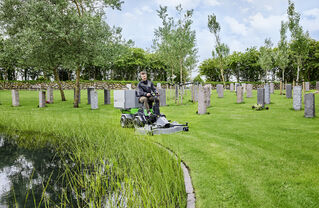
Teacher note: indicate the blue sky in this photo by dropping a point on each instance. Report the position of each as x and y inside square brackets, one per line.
[244, 23]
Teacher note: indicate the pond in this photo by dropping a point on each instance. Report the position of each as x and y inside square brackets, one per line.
[28, 177]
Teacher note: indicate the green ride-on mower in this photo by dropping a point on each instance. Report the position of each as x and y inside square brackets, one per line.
[134, 115]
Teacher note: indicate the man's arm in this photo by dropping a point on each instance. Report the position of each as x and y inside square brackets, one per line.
[153, 88]
[140, 91]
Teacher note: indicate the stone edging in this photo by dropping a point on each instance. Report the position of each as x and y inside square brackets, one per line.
[191, 197]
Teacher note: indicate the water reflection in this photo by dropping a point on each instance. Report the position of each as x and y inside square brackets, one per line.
[28, 177]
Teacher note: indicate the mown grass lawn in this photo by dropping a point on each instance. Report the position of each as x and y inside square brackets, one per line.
[244, 158]
[238, 157]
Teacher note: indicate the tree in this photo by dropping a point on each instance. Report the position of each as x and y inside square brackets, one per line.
[58, 33]
[312, 61]
[210, 68]
[299, 39]
[222, 50]
[266, 58]
[282, 55]
[175, 42]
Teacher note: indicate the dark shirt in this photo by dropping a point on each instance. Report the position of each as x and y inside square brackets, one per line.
[145, 87]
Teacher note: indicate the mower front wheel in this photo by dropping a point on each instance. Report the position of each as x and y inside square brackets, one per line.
[123, 122]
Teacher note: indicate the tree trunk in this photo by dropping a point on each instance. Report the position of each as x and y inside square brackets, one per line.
[77, 88]
[280, 87]
[57, 79]
[181, 79]
[298, 70]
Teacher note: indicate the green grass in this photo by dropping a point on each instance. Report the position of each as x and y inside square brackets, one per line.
[244, 158]
[238, 157]
[110, 164]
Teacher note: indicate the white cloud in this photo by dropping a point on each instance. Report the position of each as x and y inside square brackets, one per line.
[250, 1]
[269, 8]
[261, 23]
[212, 2]
[311, 20]
[235, 26]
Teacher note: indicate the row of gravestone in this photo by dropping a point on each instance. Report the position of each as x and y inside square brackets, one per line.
[91, 95]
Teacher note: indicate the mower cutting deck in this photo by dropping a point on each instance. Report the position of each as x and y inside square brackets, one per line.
[134, 115]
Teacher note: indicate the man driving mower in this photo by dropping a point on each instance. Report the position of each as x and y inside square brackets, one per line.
[145, 93]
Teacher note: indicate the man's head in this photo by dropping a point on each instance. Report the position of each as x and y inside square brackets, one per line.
[143, 75]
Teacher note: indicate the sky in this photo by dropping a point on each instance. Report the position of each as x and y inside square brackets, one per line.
[244, 23]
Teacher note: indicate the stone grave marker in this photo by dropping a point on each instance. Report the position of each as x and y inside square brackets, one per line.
[236, 85]
[288, 91]
[317, 85]
[107, 97]
[267, 94]
[41, 99]
[272, 88]
[15, 98]
[162, 97]
[159, 86]
[307, 86]
[90, 89]
[220, 90]
[310, 105]
[244, 87]
[50, 95]
[240, 94]
[94, 100]
[196, 90]
[202, 101]
[297, 97]
[261, 96]
[249, 92]
[207, 94]
[231, 87]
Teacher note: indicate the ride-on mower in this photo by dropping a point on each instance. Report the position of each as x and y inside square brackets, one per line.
[134, 115]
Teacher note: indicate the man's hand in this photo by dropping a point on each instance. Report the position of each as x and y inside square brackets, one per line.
[148, 94]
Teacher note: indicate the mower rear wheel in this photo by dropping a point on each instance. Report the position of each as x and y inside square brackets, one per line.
[123, 122]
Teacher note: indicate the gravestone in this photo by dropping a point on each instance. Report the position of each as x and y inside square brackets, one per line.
[249, 92]
[244, 87]
[297, 97]
[220, 90]
[267, 94]
[196, 89]
[317, 85]
[50, 95]
[90, 89]
[288, 91]
[236, 85]
[159, 86]
[261, 96]
[107, 97]
[79, 94]
[202, 101]
[94, 100]
[272, 88]
[310, 105]
[41, 99]
[207, 94]
[240, 94]
[192, 93]
[231, 87]
[15, 98]
[129, 86]
[307, 86]
[162, 97]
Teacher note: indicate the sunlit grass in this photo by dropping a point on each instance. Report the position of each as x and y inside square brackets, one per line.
[107, 165]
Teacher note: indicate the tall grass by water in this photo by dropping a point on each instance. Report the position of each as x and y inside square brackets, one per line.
[104, 166]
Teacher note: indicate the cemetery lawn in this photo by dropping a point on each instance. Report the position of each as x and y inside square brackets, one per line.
[237, 157]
